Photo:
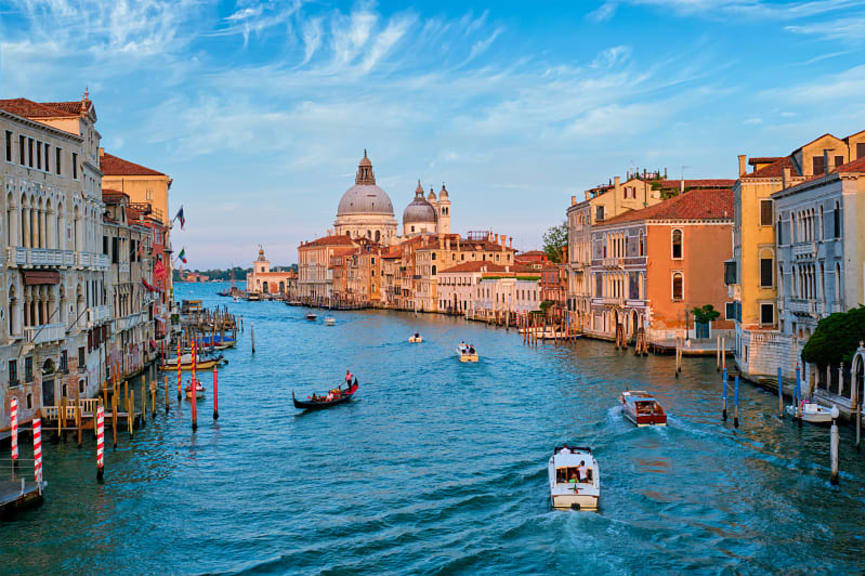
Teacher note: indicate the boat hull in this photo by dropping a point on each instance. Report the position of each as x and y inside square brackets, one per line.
[321, 404]
[645, 421]
[821, 417]
[468, 357]
[414, 340]
[207, 364]
[575, 502]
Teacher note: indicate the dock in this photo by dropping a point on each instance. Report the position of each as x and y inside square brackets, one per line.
[18, 494]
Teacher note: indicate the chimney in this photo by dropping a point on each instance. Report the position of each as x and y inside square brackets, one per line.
[573, 200]
[510, 241]
[682, 186]
[827, 168]
[504, 240]
[785, 178]
[588, 195]
[743, 164]
[458, 243]
[616, 183]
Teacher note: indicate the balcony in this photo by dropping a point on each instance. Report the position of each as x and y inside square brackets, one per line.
[613, 262]
[123, 267]
[100, 262]
[45, 333]
[16, 256]
[805, 251]
[130, 321]
[803, 307]
[38, 257]
[99, 315]
[83, 259]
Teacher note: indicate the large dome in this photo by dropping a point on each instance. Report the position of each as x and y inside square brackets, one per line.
[420, 210]
[365, 197]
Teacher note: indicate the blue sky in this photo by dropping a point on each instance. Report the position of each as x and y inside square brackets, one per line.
[260, 111]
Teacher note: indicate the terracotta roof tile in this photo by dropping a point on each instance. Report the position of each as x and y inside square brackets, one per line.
[775, 169]
[475, 266]
[694, 184]
[707, 204]
[114, 166]
[854, 166]
[330, 241]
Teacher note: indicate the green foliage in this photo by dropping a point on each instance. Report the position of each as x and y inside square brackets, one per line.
[705, 314]
[545, 305]
[554, 239]
[836, 338]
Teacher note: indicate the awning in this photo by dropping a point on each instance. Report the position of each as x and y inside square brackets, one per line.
[34, 277]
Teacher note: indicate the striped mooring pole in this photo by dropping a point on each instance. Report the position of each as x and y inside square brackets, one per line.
[194, 389]
[215, 395]
[179, 379]
[14, 413]
[724, 403]
[37, 452]
[100, 442]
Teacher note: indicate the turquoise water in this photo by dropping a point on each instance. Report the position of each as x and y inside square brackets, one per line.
[439, 467]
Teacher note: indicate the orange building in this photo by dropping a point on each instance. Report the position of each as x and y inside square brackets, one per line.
[651, 267]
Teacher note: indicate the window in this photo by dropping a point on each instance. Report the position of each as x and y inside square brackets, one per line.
[678, 286]
[730, 311]
[38, 155]
[433, 255]
[58, 154]
[115, 252]
[860, 150]
[13, 373]
[8, 146]
[818, 165]
[766, 215]
[838, 161]
[30, 152]
[836, 220]
[779, 232]
[64, 361]
[677, 244]
[74, 166]
[82, 361]
[767, 313]
[21, 150]
[730, 272]
[28, 369]
[767, 267]
[47, 156]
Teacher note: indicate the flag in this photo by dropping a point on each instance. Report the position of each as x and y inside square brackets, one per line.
[180, 217]
[159, 272]
[182, 255]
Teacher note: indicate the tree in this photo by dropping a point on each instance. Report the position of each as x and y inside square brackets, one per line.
[554, 238]
[836, 338]
[705, 314]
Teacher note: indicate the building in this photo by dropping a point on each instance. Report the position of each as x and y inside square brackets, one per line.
[429, 215]
[486, 290]
[53, 294]
[263, 280]
[365, 210]
[314, 268]
[820, 249]
[650, 267]
[761, 344]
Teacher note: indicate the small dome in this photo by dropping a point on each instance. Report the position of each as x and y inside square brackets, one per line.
[432, 195]
[443, 193]
[420, 211]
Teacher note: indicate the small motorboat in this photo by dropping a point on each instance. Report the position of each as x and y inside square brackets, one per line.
[575, 480]
[199, 389]
[311, 316]
[319, 400]
[253, 297]
[330, 321]
[814, 413]
[467, 354]
[415, 338]
[642, 409]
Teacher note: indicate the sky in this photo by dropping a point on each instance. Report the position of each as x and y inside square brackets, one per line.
[260, 111]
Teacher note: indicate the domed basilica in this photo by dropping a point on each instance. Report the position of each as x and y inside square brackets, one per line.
[365, 211]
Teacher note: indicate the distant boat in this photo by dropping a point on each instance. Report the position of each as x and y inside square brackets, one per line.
[415, 339]
[311, 316]
[329, 321]
[642, 409]
[253, 297]
[466, 355]
[199, 390]
[813, 413]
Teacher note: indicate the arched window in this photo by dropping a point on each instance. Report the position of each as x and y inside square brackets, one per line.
[434, 270]
[433, 255]
[378, 235]
[677, 244]
[678, 286]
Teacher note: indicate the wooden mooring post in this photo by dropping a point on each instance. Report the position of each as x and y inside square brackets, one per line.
[736, 402]
[834, 445]
[78, 416]
[252, 336]
[780, 395]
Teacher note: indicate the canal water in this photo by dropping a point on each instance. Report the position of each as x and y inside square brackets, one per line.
[439, 467]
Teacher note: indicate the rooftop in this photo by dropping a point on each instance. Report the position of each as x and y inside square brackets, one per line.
[699, 204]
[115, 166]
[476, 266]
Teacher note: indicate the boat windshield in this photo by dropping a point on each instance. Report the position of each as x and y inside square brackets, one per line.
[571, 475]
[646, 407]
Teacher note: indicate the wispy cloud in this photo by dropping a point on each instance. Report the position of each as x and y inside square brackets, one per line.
[848, 30]
[752, 8]
[604, 12]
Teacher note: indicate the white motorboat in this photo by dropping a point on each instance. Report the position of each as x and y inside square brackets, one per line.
[329, 321]
[642, 409]
[415, 338]
[575, 480]
[814, 413]
[467, 354]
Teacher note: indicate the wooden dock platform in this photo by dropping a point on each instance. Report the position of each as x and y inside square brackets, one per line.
[18, 495]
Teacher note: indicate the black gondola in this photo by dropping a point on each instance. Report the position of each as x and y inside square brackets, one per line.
[320, 401]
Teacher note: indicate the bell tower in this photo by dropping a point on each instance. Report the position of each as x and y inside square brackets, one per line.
[443, 209]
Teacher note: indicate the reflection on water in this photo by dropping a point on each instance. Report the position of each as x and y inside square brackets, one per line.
[440, 467]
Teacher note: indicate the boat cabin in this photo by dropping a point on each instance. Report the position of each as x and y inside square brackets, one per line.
[568, 467]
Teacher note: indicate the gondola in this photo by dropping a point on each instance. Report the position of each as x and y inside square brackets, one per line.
[320, 401]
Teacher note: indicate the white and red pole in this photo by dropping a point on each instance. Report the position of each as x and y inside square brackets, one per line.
[194, 385]
[14, 413]
[179, 379]
[215, 395]
[100, 442]
[37, 452]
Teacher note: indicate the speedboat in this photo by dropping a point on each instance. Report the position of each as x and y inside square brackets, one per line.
[575, 480]
[321, 400]
[813, 413]
[466, 355]
[330, 321]
[199, 389]
[642, 409]
[415, 339]
[311, 316]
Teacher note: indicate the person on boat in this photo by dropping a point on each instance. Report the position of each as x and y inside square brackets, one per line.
[348, 377]
[463, 346]
[471, 349]
[565, 450]
[416, 335]
[583, 472]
